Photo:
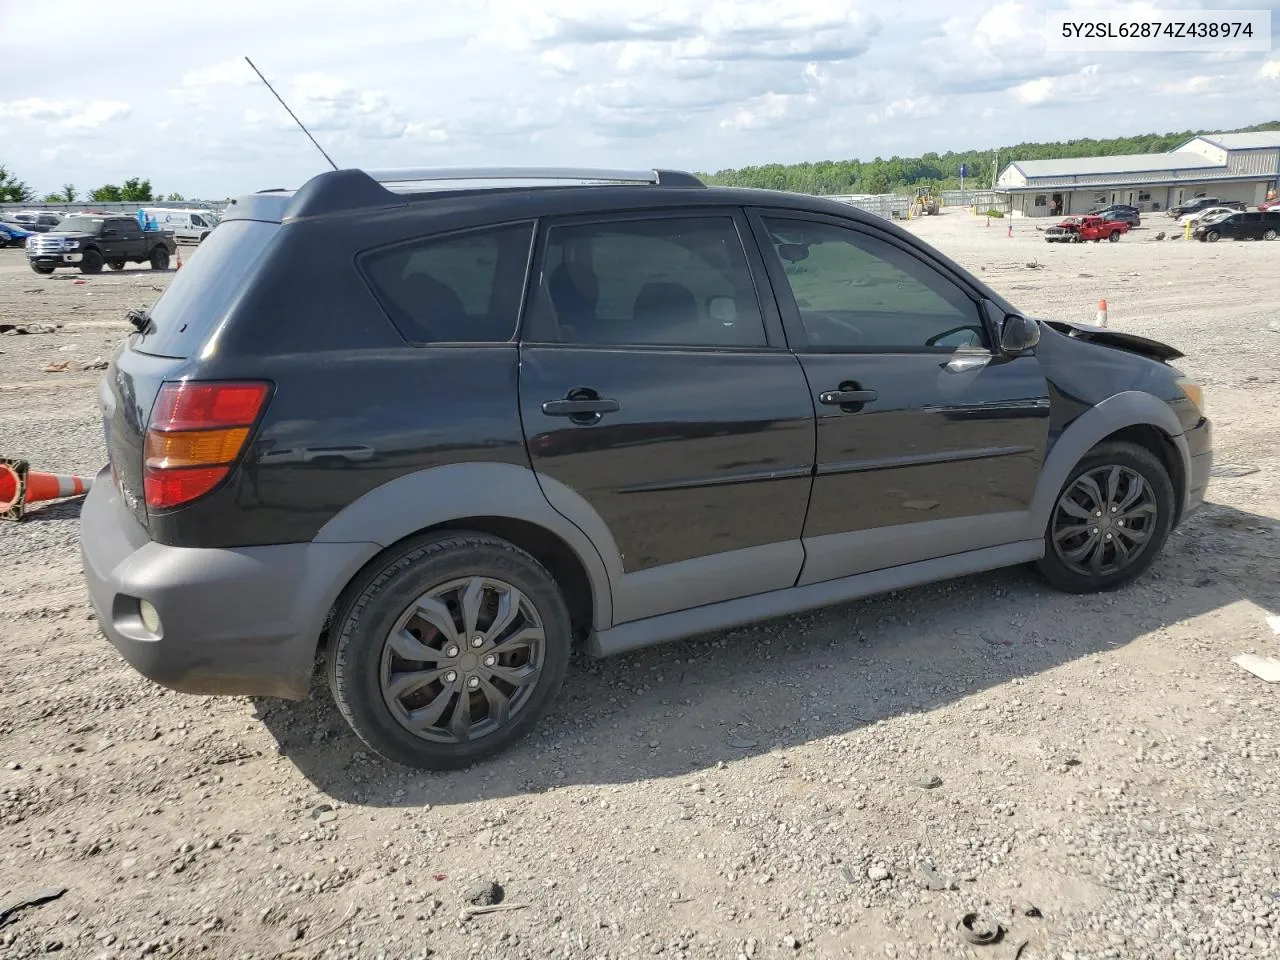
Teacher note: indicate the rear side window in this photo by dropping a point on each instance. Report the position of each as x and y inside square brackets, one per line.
[459, 288]
[201, 292]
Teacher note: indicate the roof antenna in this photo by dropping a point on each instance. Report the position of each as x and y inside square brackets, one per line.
[291, 113]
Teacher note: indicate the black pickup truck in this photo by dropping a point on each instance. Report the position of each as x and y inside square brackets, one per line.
[90, 240]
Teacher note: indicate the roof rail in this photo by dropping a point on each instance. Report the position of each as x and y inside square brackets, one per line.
[666, 178]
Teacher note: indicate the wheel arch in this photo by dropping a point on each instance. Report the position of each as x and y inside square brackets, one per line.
[1132, 416]
[504, 500]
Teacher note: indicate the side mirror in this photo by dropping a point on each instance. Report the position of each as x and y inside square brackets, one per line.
[1018, 335]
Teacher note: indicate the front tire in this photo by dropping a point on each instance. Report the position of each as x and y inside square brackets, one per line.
[91, 262]
[449, 650]
[43, 271]
[1110, 521]
[1212, 236]
[1115, 237]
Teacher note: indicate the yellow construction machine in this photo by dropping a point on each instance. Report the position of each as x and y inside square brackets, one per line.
[925, 203]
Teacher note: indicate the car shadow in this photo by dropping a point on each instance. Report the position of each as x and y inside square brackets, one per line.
[681, 708]
[56, 510]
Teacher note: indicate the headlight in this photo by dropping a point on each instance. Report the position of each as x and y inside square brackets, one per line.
[71, 244]
[1193, 392]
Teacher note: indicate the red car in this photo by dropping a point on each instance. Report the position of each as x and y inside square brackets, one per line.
[1080, 229]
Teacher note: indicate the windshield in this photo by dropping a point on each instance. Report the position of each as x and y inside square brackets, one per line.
[76, 224]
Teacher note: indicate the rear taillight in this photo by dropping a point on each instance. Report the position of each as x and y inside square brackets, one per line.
[196, 434]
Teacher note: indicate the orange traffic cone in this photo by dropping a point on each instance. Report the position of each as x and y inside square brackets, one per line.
[1102, 312]
[178, 250]
[20, 486]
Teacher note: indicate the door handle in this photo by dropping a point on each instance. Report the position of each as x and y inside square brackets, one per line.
[578, 408]
[839, 398]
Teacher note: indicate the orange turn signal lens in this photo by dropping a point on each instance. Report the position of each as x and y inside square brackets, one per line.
[196, 448]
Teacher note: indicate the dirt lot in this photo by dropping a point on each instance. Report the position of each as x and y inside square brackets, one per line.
[775, 792]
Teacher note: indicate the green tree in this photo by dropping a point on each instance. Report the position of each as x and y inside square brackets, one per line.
[133, 190]
[136, 190]
[177, 197]
[66, 195]
[13, 190]
[878, 182]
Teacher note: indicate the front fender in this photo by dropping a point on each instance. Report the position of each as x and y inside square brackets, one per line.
[439, 495]
[1127, 409]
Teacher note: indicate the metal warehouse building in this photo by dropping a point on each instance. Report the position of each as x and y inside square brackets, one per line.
[1230, 166]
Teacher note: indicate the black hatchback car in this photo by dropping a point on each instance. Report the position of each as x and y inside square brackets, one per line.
[1257, 225]
[437, 427]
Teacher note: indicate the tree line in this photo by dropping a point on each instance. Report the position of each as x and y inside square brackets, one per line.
[941, 170]
[133, 190]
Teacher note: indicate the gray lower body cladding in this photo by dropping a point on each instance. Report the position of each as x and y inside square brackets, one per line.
[232, 621]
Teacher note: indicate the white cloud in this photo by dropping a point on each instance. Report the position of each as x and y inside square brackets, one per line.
[37, 108]
[907, 108]
[1269, 70]
[96, 114]
[1198, 85]
[1083, 87]
[68, 115]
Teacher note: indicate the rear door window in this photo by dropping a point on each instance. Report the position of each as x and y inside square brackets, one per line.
[661, 281]
[458, 288]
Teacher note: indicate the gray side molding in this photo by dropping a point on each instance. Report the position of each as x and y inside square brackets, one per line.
[1127, 409]
[407, 504]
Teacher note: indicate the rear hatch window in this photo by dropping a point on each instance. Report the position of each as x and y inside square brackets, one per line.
[201, 293]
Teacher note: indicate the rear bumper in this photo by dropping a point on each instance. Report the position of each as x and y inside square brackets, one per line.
[1200, 447]
[232, 621]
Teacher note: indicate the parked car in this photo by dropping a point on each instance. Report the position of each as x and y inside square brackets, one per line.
[192, 225]
[1080, 229]
[1205, 215]
[1202, 203]
[89, 241]
[611, 413]
[1240, 226]
[1119, 211]
[1266, 205]
[37, 221]
[12, 235]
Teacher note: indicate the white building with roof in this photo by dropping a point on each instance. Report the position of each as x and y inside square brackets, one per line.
[1230, 166]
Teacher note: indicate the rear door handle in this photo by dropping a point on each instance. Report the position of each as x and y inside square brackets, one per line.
[838, 398]
[577, 408]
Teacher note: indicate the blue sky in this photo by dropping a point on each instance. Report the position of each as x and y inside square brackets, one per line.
[89, 95]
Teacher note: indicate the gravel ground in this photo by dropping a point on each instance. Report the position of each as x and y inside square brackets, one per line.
[1093, 773]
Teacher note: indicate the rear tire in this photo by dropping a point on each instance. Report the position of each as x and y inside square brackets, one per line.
[116, 264]
[159, 259]
[91, 262]
[1268, 235]
[1110, 521]
[401, 655]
